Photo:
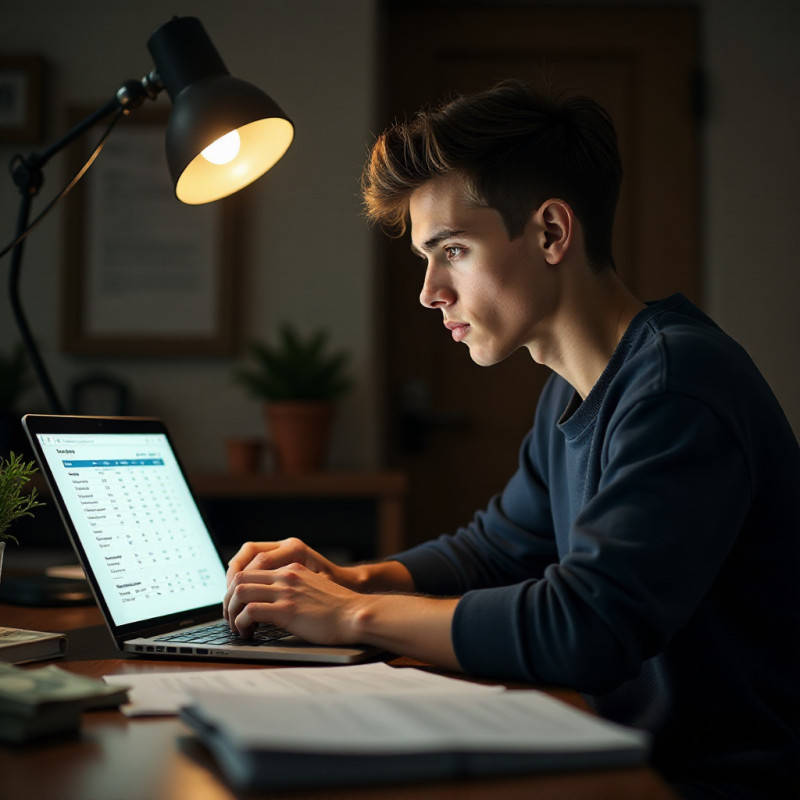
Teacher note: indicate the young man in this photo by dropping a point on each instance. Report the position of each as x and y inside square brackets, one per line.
[646, 550]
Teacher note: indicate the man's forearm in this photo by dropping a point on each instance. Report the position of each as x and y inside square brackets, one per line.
[410, 625]
[407, 624]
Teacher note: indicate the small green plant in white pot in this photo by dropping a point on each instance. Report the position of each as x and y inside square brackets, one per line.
[16, 500]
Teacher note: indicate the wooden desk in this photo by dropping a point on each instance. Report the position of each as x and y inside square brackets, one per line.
[116, 758]
[387, 489]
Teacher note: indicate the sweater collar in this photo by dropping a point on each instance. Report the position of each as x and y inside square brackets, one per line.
[579, 414]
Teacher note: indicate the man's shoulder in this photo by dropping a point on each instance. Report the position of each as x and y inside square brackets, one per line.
[682, 325]
[683, 355]
[679, 348]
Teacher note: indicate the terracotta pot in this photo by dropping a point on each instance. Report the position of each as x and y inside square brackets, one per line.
[300, 433]
[244, 454]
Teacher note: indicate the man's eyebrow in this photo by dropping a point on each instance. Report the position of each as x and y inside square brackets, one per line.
[438, 237]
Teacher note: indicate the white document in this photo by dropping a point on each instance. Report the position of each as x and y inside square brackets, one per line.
[163, 693]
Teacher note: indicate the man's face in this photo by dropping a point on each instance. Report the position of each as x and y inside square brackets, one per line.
[495, 294]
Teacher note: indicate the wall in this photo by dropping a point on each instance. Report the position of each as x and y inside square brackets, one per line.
[309, 254]
[751, 153]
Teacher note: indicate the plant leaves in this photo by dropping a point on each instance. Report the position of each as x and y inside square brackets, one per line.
[297, 368]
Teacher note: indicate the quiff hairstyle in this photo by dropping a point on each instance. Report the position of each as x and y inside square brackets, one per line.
[513, 148]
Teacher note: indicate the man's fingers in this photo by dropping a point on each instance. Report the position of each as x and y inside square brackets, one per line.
[231, 602]
[261, 595]
[243, 614]
[247, 552]
[266, 556]
[248, 619]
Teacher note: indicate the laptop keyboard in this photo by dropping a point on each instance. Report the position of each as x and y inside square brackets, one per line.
[220, 633]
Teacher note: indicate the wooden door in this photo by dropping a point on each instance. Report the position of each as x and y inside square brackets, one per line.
[456, 427]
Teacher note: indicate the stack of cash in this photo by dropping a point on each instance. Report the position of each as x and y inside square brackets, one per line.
[49, 700]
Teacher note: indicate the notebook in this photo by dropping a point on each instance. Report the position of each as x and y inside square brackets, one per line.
[149, 557]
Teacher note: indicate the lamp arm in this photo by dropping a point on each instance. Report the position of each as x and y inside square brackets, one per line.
[128, 97]
[28, 177]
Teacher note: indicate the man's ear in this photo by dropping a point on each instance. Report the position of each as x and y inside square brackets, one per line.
[557, 226]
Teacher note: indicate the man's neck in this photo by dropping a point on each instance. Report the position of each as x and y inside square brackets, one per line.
[589, 324]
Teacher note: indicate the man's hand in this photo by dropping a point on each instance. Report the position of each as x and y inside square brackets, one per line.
[382, 576]
[295, 598]
[273, 555]
[292, 586]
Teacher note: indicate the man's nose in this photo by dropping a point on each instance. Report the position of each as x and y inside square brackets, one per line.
[436, 292]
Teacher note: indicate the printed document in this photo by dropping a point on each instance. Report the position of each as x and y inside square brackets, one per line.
[163, 693]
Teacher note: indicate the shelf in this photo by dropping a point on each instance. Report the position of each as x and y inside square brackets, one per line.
[387, 489]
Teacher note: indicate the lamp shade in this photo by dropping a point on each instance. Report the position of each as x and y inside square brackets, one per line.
[208, 104]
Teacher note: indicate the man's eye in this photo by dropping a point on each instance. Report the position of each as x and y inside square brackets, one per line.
[453, 251]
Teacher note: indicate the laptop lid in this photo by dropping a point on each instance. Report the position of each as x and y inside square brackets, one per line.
[122, 494]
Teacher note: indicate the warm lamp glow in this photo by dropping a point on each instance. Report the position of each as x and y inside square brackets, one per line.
[262, 144]
[210, 105]
[224, 150]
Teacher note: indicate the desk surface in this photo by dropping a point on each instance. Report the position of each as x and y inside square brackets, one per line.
[116, 758]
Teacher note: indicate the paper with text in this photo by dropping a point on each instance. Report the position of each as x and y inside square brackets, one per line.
[163, 693]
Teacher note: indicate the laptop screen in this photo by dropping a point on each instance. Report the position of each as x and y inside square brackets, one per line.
[140, 530]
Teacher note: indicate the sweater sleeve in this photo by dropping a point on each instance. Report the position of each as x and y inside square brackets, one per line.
[643, 551]
[509, 541]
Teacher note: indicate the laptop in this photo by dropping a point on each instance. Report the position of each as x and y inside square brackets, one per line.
[149, 557]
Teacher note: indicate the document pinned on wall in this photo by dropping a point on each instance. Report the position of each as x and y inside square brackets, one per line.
[147, 255]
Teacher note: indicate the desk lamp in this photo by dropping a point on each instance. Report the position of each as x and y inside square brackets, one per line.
[222, 134]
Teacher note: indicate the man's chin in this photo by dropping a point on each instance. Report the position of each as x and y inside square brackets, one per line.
[484, 359]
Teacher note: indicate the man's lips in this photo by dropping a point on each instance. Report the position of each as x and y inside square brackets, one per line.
[457, 329]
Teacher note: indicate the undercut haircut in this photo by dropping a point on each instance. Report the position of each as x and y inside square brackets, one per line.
[513, 148]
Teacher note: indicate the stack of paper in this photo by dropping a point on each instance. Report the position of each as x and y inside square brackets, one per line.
[49, 700]
[274, 742]
[322, 726]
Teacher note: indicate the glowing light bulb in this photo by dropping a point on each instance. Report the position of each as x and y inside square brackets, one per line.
[224, 149]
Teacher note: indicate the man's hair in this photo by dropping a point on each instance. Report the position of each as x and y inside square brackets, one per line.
[513, 148]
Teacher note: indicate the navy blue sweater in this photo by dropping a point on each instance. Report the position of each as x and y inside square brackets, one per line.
[647, 553]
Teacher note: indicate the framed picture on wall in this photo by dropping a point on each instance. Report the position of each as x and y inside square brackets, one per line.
[21, 98]
[144, 273]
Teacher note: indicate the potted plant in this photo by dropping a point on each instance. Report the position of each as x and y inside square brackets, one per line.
[16, 500]
[299, 380]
